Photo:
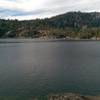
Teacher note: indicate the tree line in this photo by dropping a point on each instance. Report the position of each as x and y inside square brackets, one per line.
[70, 25]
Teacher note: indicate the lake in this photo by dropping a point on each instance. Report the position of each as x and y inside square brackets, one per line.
[32, 67]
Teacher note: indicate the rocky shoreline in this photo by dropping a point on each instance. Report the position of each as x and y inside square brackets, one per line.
[71, 96]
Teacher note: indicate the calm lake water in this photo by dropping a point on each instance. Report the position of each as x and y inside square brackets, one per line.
[38, 68]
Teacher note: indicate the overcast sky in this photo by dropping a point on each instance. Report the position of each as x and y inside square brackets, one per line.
[31, 9]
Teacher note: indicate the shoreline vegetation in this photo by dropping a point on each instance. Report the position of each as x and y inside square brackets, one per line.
[71, 26]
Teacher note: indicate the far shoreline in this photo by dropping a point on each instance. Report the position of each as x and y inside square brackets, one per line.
[32, 40]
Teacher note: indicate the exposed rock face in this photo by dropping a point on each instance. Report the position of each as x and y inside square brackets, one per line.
[67, 96]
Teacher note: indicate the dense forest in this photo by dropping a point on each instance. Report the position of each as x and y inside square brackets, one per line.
[71, 25]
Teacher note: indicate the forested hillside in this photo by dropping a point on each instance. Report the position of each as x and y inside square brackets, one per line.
[68, 25]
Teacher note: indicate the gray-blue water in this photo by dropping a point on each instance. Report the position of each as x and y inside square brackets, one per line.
[39, 68]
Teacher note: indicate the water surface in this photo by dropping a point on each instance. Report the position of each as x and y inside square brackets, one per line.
[39, 68]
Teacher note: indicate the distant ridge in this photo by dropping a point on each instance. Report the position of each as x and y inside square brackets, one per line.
[77, 19]
[69, 24]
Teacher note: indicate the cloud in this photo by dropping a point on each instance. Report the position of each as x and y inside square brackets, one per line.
[29, 9]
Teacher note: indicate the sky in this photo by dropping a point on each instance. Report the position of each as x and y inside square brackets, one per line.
[32, 9]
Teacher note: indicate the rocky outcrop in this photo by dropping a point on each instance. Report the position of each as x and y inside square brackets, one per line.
[67, 96]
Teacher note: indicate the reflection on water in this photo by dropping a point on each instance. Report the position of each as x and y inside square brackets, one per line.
[43, 67]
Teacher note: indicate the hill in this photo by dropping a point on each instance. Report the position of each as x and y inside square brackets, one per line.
[71, 25]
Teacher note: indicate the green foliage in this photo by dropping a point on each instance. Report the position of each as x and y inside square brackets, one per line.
[72, 24]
